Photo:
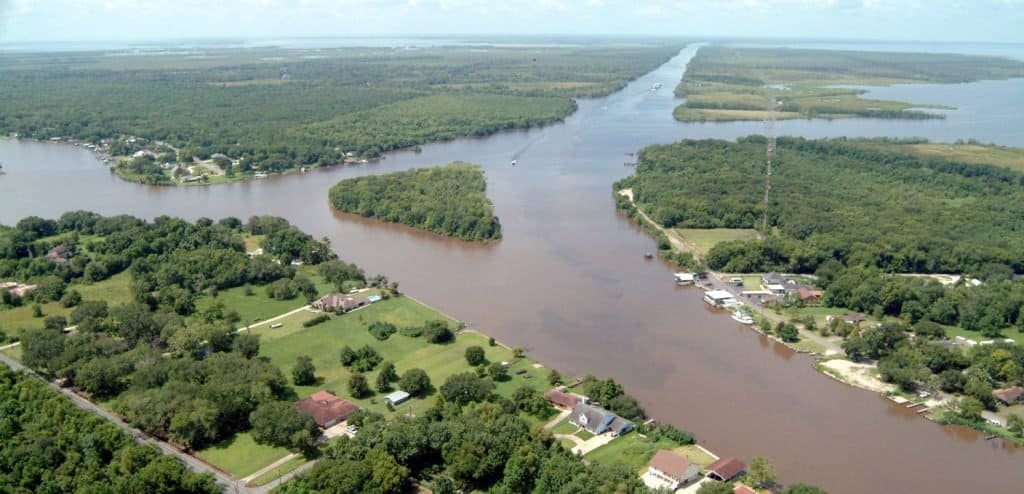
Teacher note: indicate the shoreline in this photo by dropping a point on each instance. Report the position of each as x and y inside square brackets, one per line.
[844, 370]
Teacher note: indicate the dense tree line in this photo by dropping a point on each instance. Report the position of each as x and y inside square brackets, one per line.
[449, 200]
[48, 445]
[365, 101]
[483, 447]
[180, 374]
[832, 199]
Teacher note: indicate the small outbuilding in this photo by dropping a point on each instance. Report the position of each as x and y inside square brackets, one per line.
[396, 398]
[726, 468]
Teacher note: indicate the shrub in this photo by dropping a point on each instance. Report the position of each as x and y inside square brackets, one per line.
[475, 355]
[381, 330]
[437, 332]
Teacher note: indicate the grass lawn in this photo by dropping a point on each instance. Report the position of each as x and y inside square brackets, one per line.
[1012, 158]
[1011, 333]
[241, 456]
[809, 346]
[820, 313]
[630, 450]
[274, 474]
[324, 341]
[1005, 412]
[115, 291]
[703, 239]
[259, 305]
[564, 427]
[14, 353]
[584, 434]
[693, 453]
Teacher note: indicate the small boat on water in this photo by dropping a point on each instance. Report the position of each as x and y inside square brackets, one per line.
[719, 298]
[514, 162]
[743, 315]
[648, 255]
[685, 279]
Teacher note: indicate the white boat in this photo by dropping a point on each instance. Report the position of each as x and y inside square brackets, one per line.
[719, 298]
[742, 315]
[514, 162]
[685, 279]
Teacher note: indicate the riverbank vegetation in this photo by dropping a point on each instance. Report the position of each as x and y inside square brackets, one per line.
[449, 200]
[725, 83]
[231, 114]
[48, 445]
[836, 200]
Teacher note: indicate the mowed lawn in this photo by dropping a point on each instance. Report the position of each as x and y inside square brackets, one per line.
[115, 291]
[635, 451]
[703, 239]
[241, 455]
[259, 305]
[324, 341]
[13, 352]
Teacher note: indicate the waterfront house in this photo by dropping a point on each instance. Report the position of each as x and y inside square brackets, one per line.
[719, 298]
[597, 420]
[741, 488]
[668, 470]
[1009, 396]
[560, 399]
[396, 398]
[726, 468]
[340, 302]
[326, 408]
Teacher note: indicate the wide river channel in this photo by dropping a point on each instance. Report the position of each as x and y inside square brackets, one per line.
[569, 283]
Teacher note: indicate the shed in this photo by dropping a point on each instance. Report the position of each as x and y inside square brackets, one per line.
[1009, 395]
[396, 398]
[726, 468]
[561, 399]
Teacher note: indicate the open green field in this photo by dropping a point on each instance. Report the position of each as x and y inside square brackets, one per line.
[635, 451]
[324, 341]
[115, 291]
[1011, 333]
[726, 83]
[259, 306]
[241, 455]
[703, 239]
[13, 352]
[976, 154]
[276, 473]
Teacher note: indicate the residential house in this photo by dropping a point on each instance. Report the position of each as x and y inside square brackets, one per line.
[1010, 395]
[59, 254]
[773, 279]
[561, 399]
[597, 420]
[808, 296]
[326, 408]
[741, 488]
[726, 468]
[668, 470]
[340, 302]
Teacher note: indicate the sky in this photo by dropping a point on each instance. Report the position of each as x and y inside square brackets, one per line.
[900, 20]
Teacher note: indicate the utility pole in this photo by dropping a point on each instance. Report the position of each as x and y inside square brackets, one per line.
[770, 131]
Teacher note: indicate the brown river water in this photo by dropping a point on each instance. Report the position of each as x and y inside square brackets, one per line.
[569, 282]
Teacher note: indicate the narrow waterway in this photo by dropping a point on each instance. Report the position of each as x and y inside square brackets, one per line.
[569, 283]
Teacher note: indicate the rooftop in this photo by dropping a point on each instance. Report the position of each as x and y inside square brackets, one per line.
[673, 465]
[727, 467]
[326, 408]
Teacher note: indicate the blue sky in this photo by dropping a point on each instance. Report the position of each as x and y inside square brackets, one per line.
[924, 20]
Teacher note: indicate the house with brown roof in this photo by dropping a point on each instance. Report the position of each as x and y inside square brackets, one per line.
[726, 468]
[59, 254]
[668, 470]
[339, 302]
[741, 488]
[326, 408]
[808, 295]
[561, 399]
[1010, 395]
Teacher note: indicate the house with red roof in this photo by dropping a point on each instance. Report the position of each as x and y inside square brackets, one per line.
[668, 470]
[326, 408]
[726, 468]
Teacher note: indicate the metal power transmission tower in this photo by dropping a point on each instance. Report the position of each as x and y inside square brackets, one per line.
[770, 131]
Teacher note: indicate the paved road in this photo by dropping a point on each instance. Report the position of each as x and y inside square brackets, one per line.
[140, 437]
